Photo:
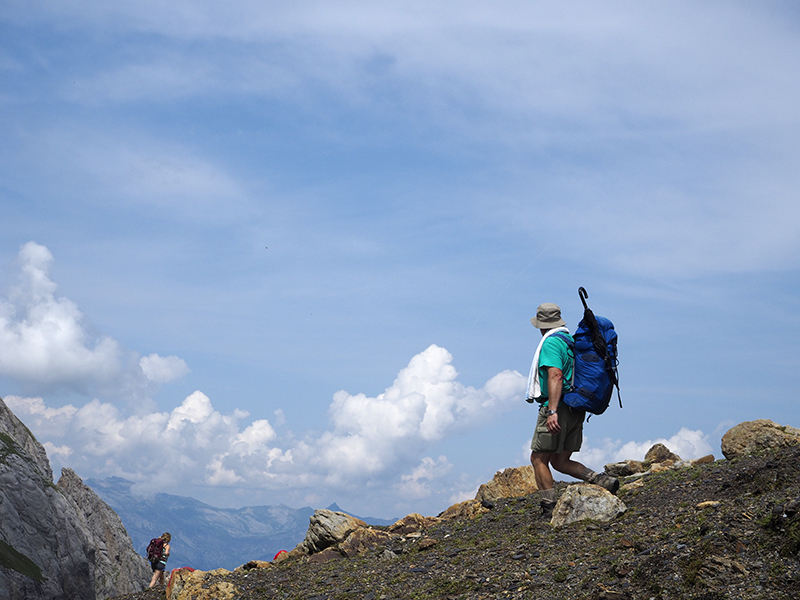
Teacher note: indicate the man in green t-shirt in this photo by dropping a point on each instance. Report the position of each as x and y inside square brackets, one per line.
[559, 428]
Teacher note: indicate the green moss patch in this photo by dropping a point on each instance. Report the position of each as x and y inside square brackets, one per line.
[16, 561]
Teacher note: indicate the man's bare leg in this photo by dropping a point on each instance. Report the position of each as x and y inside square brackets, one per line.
[544, 481]
[563, 463]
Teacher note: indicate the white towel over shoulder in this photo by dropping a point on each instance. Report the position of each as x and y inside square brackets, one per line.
[534, 388]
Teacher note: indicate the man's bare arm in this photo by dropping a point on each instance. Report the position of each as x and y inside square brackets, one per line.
[555, 383]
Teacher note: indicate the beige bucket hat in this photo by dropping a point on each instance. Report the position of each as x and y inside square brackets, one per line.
[548, 316]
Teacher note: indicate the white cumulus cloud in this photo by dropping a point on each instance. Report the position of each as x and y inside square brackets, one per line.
[43, 338]
[45, 342]
[424, 404]
[381, 439]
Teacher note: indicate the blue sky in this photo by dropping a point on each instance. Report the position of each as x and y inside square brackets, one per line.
[265, 252]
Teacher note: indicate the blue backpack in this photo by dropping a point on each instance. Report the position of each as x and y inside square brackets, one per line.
[595, 374]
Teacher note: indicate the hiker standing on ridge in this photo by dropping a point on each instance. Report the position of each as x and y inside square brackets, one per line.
[559, 428]
[157, 554]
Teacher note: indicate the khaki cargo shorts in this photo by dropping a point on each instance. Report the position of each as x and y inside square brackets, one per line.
[569, 439]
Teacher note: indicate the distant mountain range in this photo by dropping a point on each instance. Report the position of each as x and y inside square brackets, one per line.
[203, 536]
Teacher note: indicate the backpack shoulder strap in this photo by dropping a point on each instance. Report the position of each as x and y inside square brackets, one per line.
[566, 338]
[571, 350]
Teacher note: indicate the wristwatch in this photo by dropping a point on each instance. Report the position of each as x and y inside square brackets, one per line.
[551, 413]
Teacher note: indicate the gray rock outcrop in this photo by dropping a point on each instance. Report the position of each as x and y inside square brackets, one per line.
[586, 501]
[327, 528]
[118, 568]
[57, 541]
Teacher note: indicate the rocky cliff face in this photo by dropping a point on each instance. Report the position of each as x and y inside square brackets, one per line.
[57, 541]
[118, 568]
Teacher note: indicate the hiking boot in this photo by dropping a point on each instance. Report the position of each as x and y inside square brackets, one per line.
[547, 509]
[608, 482]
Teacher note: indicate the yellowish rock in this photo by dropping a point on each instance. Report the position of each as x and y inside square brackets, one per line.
[411, 523]
[362, 540]
[755, 437]
[659, 468]
[206, 585]
[427, 543]
[469, 509]
[253, 564]
[633, 485]
[659, 453]
[508, 483]
[703, 460]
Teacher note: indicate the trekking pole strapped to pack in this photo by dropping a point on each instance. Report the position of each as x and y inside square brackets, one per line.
[595, 374]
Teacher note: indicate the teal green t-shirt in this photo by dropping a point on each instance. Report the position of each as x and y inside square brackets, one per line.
[555, 353]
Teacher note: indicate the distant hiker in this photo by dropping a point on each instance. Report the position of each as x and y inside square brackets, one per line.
[157, 554]
[559, 428]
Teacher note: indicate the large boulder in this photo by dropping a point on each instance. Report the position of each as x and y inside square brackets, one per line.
[508, 483]
[586, 501]
[327, 528]
[57, 541]
[757, 437]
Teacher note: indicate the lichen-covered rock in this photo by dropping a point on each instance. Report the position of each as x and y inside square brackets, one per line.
[201, 585]
[756, 437]
[469, 509]
[412, 523]
[57, 541]
[508, 483]
[362, 540]
[328, 528]
[586, 501]
[177, 579]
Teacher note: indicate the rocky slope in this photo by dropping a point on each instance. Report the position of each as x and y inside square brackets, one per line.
[723, 529]
[57, 541]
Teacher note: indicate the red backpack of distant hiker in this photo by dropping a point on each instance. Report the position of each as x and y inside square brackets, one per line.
[154, 549]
